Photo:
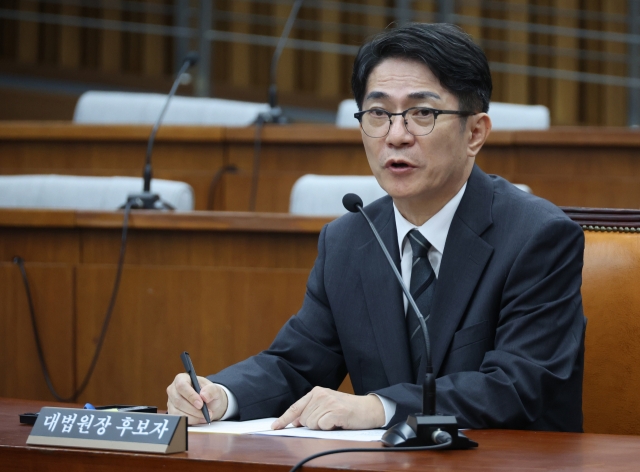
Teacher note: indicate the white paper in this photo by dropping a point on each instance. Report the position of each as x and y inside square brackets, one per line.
[234, 427]
[340, 434]
[263, 426]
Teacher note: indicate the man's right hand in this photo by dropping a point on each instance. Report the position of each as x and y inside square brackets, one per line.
[183, 399]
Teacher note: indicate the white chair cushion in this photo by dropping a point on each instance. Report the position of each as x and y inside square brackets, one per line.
[510, 116]
[344, 118]
[504, 116]
[96, 107]
[86, 193]
[321, 195]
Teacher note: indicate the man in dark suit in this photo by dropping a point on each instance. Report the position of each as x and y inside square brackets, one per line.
[495, 271]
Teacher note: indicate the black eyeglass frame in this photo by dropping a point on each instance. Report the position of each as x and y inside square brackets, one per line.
[435, 112]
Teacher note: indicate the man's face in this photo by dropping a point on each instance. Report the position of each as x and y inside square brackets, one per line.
[414, 169]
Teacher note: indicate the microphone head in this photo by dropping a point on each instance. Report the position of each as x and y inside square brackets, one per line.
[351, 202]
[192, 58]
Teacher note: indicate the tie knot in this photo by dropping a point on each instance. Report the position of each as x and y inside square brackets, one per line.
[419, 243]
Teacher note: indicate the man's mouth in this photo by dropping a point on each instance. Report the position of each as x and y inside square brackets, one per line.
[399, 165]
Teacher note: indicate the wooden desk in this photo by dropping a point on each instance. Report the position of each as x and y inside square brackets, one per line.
[590, 167]
[200, 282]
[499, 450]
[221, 285]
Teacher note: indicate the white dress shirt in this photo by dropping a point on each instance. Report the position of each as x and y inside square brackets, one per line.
[435, 230]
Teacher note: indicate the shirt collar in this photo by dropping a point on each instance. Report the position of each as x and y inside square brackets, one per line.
[436, 228]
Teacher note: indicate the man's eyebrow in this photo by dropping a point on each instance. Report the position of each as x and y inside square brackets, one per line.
[376, 95]
[423, 95]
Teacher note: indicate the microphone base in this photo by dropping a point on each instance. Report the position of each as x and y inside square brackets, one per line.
[147, 201]
[274, 116]
[419, 430]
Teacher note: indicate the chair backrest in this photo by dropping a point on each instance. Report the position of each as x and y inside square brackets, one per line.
[344, 118]
[611, 299]
[96, 107]
[85, 193]
[504, 116]
[511, 116]
[321, 195]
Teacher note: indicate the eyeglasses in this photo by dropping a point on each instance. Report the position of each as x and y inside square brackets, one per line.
[419, 121]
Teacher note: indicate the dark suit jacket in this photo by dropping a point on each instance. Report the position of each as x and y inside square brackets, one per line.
[506, 324]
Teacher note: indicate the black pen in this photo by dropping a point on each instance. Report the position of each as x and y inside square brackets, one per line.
[188, 366]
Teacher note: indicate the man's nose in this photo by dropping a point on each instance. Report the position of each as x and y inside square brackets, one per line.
[398, 134]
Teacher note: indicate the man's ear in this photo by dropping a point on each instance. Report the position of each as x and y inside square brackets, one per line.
[480, 125]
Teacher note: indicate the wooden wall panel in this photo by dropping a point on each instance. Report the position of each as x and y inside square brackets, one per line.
[52, 288]
[203, 249]
[281, 165]
[27, 44]
[221, 316]
[69, 40]
[46, 245]
[110, 40]
[217, 285]
[329, 68]
[319, 79]
[565, 104]
[153, 47]
[517, 85]
[287, 66]
[615, 98]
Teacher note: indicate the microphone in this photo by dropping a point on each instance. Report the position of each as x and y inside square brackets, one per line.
[275, 115]
[147, 200]
[427, 428]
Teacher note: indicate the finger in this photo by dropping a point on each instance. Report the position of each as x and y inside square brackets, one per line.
[172, 410]
[330, 421]
[292, 413]
[183, 397]
[186, 390]
[216, 400]
[320, 403]
[310, 415]
[191, 420]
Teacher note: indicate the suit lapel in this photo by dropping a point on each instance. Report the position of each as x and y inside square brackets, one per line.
[465, 257]
[384, 299]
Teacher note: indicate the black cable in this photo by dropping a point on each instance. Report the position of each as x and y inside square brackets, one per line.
[257, 139]
[215, 180]
[105, 324]
[363, 449]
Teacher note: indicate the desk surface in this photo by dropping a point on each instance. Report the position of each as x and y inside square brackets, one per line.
[499, 450]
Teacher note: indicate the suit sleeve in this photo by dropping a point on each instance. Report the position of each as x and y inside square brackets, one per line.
[538, 347]
[305, 353]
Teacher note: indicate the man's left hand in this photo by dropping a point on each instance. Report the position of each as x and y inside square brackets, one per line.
[326, 409]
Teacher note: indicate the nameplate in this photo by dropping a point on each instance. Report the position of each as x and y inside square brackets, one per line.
[114, 430]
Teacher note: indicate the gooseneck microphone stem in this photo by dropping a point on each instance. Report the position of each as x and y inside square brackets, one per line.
[407, 294]
[426, 429]
[275, 115]
[147, 173]
[147, 200]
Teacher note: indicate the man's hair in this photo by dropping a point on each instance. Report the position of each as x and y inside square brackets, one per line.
[458, 63]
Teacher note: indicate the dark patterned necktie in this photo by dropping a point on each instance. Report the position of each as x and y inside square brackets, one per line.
[423, 284]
